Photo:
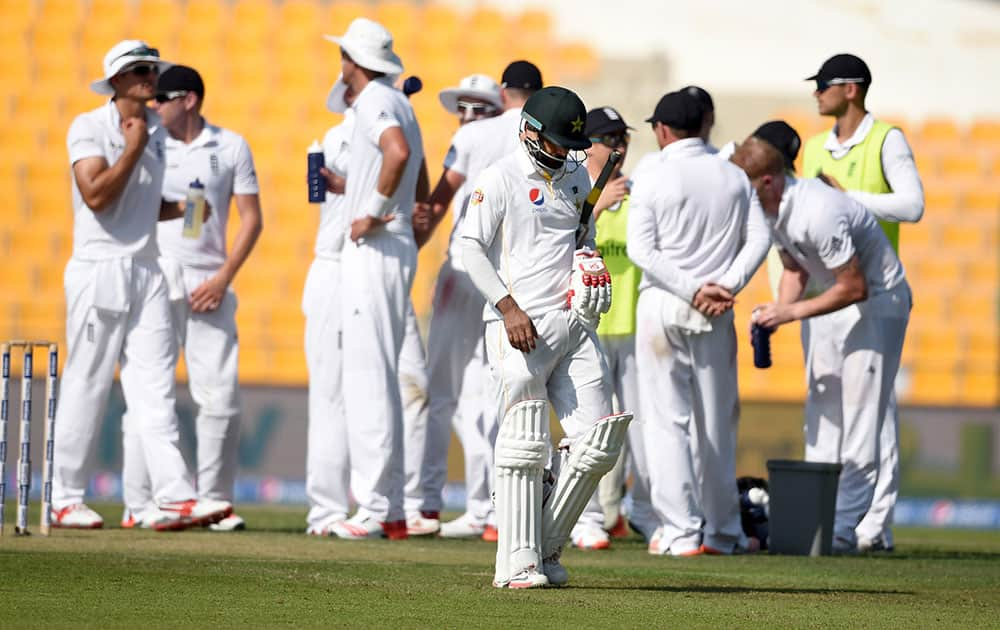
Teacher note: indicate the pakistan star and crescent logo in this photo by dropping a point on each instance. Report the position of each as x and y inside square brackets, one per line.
[577, 124]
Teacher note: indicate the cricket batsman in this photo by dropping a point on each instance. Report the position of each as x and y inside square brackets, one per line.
[545, 295]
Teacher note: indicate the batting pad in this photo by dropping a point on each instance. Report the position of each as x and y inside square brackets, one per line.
[590, 457]
[521, 452]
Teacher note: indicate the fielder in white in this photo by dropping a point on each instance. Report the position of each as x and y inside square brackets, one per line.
[377, 266]
[545, 296]
[872, 161]
[116, 300]
[860, 318]
[327, 458]
[697, 232]
[199, 272]
[608, 132]
[460, 389]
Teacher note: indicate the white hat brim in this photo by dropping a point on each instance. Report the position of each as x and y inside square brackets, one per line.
[335, 99]
[449, 97]
[103, 86]
[363, 58]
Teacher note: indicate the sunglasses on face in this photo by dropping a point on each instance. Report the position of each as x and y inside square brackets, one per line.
[142, 70]
[823, 85]
[164, 97]
[142, 51]
[612, 141]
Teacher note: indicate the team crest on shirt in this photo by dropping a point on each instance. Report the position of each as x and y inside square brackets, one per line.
[477, 197]
[536, 197]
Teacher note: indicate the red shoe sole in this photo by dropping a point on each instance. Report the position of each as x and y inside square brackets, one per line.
[395, 530]
[490, 534]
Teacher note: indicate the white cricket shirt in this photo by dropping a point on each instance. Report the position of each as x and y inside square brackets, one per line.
[379, 107]
[475, 146]
[126, 227]
[527, 227]
[222, 161]
[906, 201]
[822, 228]
[694, 218]
[333, 212]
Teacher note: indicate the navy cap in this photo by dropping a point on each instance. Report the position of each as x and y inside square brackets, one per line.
[843, 68]
[782, 137]
[678, 110]
[522, 75]
[181, 78]
[604, 120]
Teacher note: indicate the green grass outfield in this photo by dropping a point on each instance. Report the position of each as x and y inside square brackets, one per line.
[275, 576]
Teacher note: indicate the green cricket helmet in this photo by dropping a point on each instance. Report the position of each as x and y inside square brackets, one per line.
[559, 116]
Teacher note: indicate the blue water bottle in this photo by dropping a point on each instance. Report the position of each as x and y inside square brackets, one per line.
[317, 184]
[760, 338]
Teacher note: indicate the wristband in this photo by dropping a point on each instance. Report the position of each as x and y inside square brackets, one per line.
[378, 205]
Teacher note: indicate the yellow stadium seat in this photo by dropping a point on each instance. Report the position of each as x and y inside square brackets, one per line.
[904, 125]
[939, 131]
[984, 272]
[933, 385]
[206, 14]
[340, 15]
[151, 12]
[577, 62]
[982, 202]
[985, 133]
[50, 11]
[980, 387]
[402, 19]
[533, 23]
[938, 274]
[918, 237]
[254, 16]
[963, 239]
[960, 167]
[941, 199]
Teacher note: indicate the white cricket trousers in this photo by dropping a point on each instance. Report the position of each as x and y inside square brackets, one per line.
[620, 353]
[376, 277]
[852, 357]
[460, 393]
[117, 312]
[688, 386]
[211, 353]
[419, 495]
[327, 459]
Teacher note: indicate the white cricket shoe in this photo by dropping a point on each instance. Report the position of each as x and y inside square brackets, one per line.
[465, 526]
[359, 527]
[325, 528]
[199, 513]
[529, 578]
[590, 537]
[657, 547]
[162, 520]
[423, 523]
[77, 516]
[555, 571]
[232, 523]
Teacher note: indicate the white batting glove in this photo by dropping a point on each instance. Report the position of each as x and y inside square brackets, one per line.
[590, 287]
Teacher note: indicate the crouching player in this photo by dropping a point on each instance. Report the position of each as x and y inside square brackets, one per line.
[520, 249]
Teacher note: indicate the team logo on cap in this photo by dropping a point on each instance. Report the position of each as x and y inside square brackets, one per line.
[536, 197]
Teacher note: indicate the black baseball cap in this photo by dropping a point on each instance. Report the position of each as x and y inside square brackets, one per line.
[523, 75]
[702, 96]
[840, 69]
[678, 110]
[602, 121]
[558, 115]
[181, 78]
[782, 137]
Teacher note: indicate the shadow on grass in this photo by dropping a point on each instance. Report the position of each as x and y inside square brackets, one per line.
[745, 590]
[936, 554]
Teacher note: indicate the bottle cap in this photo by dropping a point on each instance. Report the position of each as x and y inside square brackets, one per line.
[315, 147]
[197, 184]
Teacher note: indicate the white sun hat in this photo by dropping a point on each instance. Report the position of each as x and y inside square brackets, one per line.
[370, 46]
[474, 85]
[122, 55]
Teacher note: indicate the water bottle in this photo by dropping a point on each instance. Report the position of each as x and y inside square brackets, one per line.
[194, 210]
[760, 338]
[317, 184]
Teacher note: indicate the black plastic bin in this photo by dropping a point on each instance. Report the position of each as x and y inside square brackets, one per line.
[803, 502]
